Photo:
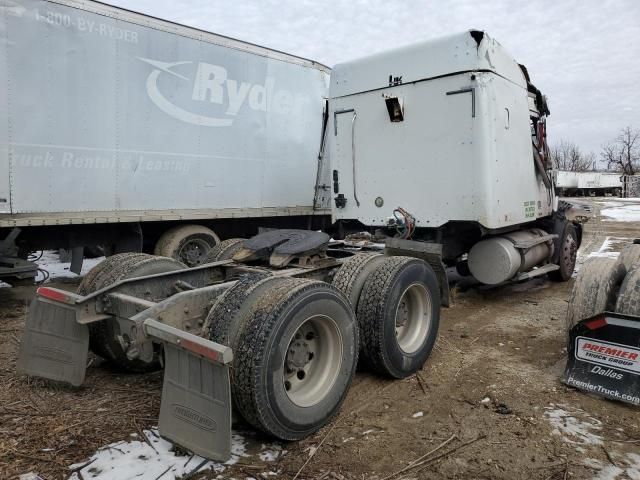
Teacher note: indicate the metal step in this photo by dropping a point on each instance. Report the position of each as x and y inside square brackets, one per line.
[549, 267]
[525, 245]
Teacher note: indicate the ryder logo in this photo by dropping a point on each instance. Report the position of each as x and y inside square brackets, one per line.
[216, 99]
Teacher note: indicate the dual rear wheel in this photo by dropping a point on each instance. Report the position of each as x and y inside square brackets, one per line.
[296, 342]
[397, 303]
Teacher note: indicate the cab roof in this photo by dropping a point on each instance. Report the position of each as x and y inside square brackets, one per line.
[469, 51]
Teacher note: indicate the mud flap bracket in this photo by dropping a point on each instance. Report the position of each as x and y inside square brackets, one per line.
[195, 411]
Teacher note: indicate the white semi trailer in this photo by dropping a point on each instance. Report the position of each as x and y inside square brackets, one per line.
[429, 149]
[134, 133]
[588, 183]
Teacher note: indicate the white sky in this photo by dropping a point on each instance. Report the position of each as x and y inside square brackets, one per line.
[584, 55]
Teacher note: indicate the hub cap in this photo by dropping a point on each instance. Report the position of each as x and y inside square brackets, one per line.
[193, 252]
[413, 318]
[313, 361]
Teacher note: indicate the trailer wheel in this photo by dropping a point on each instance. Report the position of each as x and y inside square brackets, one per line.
[225, 250]
[629, 256]
[399, 315]
[188, 244]
[295, 357]
[103, 334]
[350, 278]
[628, 301]
[595, 289]
[568, 254]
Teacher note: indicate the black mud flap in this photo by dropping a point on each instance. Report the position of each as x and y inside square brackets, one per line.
[604, 357]
[195, 410]
[54, 346]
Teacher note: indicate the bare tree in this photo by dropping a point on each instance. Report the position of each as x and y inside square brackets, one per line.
[568, 156]
[623, 154]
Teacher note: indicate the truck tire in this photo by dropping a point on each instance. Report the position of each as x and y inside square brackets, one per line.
[188, 244]
[103, 334]
[567, 255]
[595, 289]
[228, 307]
[225, 250]
[629, 256]
[350, 278]
[295, 358]
[398, 316]
[88, 285]
[628, 301]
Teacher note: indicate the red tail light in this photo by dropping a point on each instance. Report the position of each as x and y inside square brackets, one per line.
[595, 323]
[54, 294]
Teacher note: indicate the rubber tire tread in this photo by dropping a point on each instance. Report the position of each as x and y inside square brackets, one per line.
[371, 305]
[628, 301]
[348, 279]
[101, 341]
[88, 285]
[246, 355]
[169, 242]
[224, 310]
[225, 250]
[595, 289]
[249, 356]
[629, 256]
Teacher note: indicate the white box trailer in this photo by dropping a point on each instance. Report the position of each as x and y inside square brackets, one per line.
[587, 183]
[565, 180]
[110, 116]
[599, 182]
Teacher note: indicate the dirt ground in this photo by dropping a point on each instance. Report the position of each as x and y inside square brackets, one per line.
[490, 393]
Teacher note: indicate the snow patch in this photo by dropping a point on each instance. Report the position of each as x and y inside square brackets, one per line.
[623, 213]
[135, 459]
[627, 466]
[610, 247]
[50, 261]
[271, 453]
[565, 423]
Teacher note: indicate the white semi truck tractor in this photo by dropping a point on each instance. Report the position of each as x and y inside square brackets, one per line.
[430, 150]
[444, 142]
